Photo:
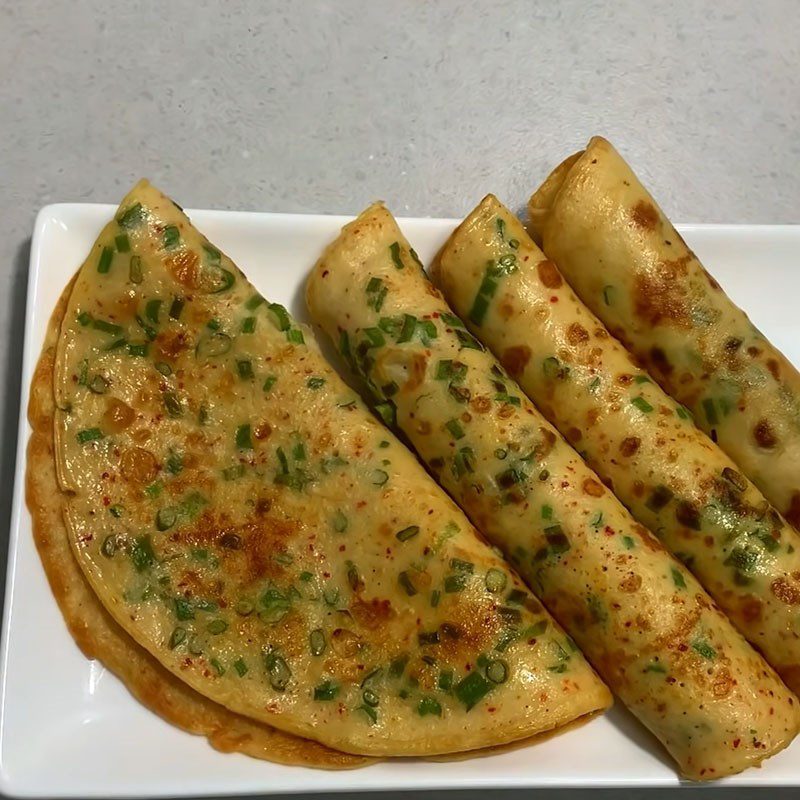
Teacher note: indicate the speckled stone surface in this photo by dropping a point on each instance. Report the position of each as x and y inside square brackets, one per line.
[323, 107]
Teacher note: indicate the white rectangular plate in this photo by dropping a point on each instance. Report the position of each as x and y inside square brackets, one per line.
[70, 729]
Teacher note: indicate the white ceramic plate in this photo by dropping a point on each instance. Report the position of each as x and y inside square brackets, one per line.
[68, 728]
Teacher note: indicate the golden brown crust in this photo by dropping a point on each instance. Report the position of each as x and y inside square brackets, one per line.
[99, 637]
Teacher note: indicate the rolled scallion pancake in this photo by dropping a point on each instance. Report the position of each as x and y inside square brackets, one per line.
[643, 444]
[642, 619]
[246, 520]
[624, 259]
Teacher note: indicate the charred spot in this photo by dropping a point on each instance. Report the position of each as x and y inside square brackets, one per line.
[481, 404]
[574, 434]
[625, 379]
[515, 359]
[230, 541]
[184, 268]
[644, 215]
[764, 435]
[629, 445]
[138, 465]
[753, 351]
[118, 415]
[723, 684]
[630, 583]
[688, 514]
[774, 367]
[576, 334]
[373, 613]
[785, 592]
[750, 610]
[549, 274]
[593, 488]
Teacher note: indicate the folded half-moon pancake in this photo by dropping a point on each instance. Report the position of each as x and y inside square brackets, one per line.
[244, 517]
[625, 260]
[640, 617]
[101, 638]
[671, 476]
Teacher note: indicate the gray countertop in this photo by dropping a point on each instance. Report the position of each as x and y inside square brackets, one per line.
[323, 107]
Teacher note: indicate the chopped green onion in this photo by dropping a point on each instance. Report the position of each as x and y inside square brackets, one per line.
[429, 705]
[174, 463]
[704, 649]
[89, 435]
[137, 349]
[455, 583]
[166, 518]
[659, 497]
[178, 637]
[234, 472]
[248, 325]
[176, 307]
[316, 642]
[270, 381]
[106, 327]
[217, 626]
[315, 383]
[283, 321]
[407, 533]
[141, 553]
[404, 579]
[131, 216]
[106, 257]
[244, 439]
[339, 521]
[295, 336]
[394, 249]
[471, 689]
[241, 667]
[172, 237]
[172, 404]
[677, 578]
[497, 671]
[122, 243]
[379, 477]
[455, 429]
[641, 404]
[152, 310]
[277, 670]
[408, 329]
[98, 385]
[254, 302]
[109, 546]
[245, 369]
[327, 690]
[183, 609]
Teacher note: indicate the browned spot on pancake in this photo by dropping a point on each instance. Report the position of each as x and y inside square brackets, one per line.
[648, 540]
[723, 683]
[345, 643]
[659, 297]
[549, 274]
[600, 333]
[373, 613]
[785, 592]
[751, 610]
[480, 404]
[792, 513]
[774, 367]
[433, 291]
[576, 334]
[544, 447]
[688, 514]
[506, 411]
[629, 445]
[659, 360]
[416, 372]
[138, 465]
[424, 427]
[592, 415]
[505, 308]
[184, 268]
[625, 379]
[638, 488]
[645, 215]
[515, 359]
[593, 488]
[574, 434]
[630, 583]
[170, 344]
[117, 416]
[764, 435]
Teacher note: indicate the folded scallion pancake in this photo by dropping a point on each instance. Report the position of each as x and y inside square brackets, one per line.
[642, 619]
[246, 520]
[100, 637]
